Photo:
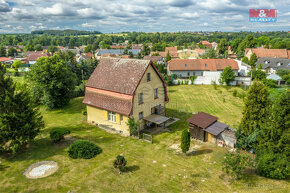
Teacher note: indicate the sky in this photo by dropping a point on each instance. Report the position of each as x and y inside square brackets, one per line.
[24, 16]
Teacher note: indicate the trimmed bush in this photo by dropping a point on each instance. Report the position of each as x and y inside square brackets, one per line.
[120, 163]
[58, 134]
[185, 140]
[83, 149]
[273, 165]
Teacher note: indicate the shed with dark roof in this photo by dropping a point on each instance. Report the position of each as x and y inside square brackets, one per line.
[205, 127]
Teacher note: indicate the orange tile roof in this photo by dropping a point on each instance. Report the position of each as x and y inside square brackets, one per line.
[3, 59]
[172, 51]
[269, 53]
[202, 64]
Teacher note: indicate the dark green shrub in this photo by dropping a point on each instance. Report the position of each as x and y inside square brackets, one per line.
[273, 165]
[120, 163]
[235, 163]
[15, 73]
[214, 84]
[270, 83]
[235, 93]
[58, 134]
[185, 141]
[79, 90]
[83, 149]
[84, 111]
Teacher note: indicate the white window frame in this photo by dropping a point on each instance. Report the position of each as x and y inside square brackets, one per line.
[112, 116]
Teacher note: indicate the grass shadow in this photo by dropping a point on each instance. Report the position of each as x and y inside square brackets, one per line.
[131, 168]
[3, 167]
[199, 152]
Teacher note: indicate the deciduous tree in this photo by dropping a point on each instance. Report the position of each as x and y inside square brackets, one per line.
[52, 81]
[227, 76]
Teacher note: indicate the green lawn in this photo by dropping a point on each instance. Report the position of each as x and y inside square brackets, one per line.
[219, 102]
[171, 173]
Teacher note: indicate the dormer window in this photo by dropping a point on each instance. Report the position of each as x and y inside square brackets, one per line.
[185, 65]
[205, 65]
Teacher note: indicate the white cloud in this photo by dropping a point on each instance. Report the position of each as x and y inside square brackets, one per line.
[145, 15]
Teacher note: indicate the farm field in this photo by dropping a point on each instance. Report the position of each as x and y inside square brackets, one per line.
[153, 167]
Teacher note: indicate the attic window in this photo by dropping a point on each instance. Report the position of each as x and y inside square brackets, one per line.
[205, 65]
[148, 77]
[185, 65]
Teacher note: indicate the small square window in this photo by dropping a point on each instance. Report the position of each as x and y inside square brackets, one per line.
[140, 115]
[148, 77]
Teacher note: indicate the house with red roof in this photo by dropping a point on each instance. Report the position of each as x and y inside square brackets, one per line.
[121, 89]
[206, 70]
[6, 60]
[171, 50]
[268, 53]
[32, 56]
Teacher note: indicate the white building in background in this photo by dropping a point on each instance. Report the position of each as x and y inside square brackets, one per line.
[206, 70]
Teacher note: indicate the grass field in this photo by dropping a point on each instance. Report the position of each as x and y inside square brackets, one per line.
[152, 167]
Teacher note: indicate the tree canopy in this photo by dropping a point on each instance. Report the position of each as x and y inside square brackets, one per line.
[20, 120]
[52, 82]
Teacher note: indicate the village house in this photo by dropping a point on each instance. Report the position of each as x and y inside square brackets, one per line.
[120, 89]
[84, 56]
[205, 127]
[6, 61]
[206, 70]
[206, 44]
[32, 56]
[116, 52]
[171, 50]
[268, 53]
[190, 54]
[157, 59]
[271, 65]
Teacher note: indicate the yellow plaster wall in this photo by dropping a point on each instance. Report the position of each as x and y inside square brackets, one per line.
[99, 116]
[147, 88]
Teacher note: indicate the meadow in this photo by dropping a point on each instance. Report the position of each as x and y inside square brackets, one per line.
[152, 167]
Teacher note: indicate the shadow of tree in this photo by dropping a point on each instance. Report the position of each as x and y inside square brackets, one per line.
[199, 152]
[3, 167]
[131, 168]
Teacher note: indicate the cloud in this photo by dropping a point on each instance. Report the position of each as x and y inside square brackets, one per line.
[4, 7]
[59, 9]
[139, 15]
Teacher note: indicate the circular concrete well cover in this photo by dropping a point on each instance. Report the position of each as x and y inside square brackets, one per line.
[41, 169]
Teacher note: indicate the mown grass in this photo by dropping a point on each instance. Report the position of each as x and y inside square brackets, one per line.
[219, 102]
[171, 173]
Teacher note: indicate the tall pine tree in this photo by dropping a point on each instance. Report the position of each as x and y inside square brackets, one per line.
[275, 133]
[20, 120]
[256, 108]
